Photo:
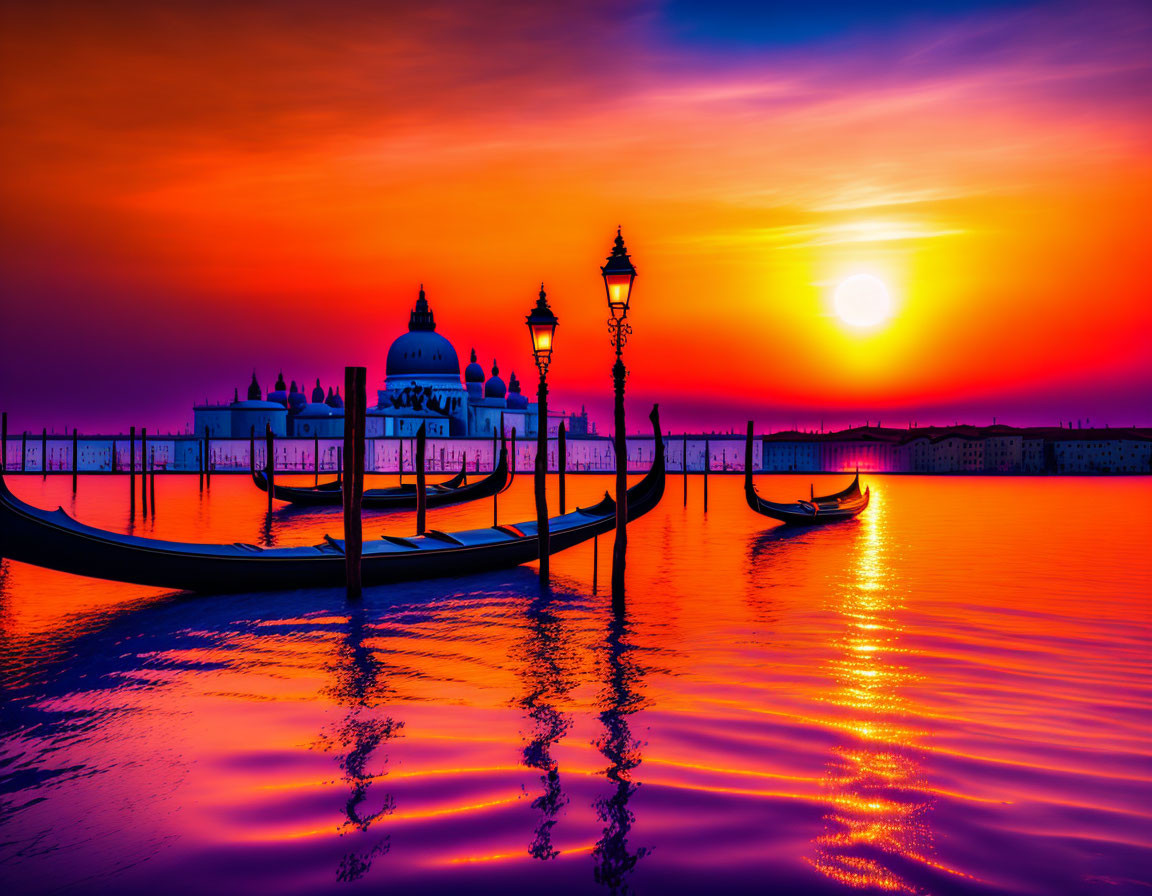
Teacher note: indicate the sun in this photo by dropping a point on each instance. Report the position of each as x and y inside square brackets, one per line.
[863, 301]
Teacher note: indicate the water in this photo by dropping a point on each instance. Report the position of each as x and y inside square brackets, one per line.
[949, 695]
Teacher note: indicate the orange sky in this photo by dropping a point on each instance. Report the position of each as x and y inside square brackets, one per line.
[191, 192]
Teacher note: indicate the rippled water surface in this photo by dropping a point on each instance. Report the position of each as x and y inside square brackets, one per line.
[949, 695]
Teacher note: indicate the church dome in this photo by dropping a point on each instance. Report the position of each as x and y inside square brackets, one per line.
[495, 388]
[334, 400]
[473, 373]
[318, 393]
[254, 393]
[280, 393]
[317, 409]
[516, 401]
[422, 351]
[296, 399]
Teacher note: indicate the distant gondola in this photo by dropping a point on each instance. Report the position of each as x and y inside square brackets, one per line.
[842, 505]
[399, 497]
[54, 540]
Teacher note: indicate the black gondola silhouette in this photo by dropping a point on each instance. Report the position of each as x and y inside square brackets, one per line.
[842, 505]
[54, 540]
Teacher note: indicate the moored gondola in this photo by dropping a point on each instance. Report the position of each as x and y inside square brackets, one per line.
[54, 540]
[817, 511]
[456, 490]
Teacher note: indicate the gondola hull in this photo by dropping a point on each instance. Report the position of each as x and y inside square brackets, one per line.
[818, 511]
[54, 540]
[402, 497]
[798, 514]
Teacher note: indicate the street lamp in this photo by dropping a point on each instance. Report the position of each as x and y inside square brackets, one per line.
[542, 328]
[619, 275]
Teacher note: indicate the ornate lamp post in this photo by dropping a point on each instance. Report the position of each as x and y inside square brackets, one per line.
[619, 274]
[542, 328]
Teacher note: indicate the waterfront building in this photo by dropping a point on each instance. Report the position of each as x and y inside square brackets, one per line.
[869, 449]
[788, 452]
[238, 418]
[917, 455]
[322, 417]
[1091, 451]
[422, 385]
[1003, 451]
[957, 452]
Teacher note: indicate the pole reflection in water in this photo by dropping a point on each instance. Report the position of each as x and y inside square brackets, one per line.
[549, 666]
[876, 833]
[620, 699]
[357, 685]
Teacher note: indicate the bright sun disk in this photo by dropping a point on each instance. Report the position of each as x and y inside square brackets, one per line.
[862, 301]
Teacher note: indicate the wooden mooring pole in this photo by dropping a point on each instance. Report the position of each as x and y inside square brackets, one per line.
[75, 458]
[707, 464]
[316, 459]
[355, 403]
[4, 443]
[685, 463]
[561, 461]
[496, 496]
[44, 454]
[269, 462]
[748, 459]
[132, 469]
[421, 494]
[207, 460]
[24, 452]
[152, 481]
[144, 470]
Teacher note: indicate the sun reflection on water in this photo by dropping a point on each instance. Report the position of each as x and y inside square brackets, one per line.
[879, 799]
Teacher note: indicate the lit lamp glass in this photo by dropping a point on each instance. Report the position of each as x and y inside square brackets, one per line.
[619, 288]
[542, 327]
[618, 275]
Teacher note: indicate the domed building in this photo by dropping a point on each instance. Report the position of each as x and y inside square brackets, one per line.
[296, 399]
[422, 383]
[474, 378]
[495, 387]
[516, 400]
[237, 419]
[316, 419]
[279, 393]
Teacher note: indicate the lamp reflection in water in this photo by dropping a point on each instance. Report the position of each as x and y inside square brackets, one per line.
[549, 663]
[620, 699]
[356, 739]
[876, 834]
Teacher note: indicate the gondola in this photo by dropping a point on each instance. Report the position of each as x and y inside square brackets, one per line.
[453, 491]
[54, 540]
[816, 511]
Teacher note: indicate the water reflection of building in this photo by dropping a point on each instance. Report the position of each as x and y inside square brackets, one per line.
[355, 741]
[549, 664]
[876, 829]
[620, 699]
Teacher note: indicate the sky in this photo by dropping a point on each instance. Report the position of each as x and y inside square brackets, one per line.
[190, 191]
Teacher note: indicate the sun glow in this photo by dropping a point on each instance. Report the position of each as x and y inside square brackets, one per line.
[862, 301]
